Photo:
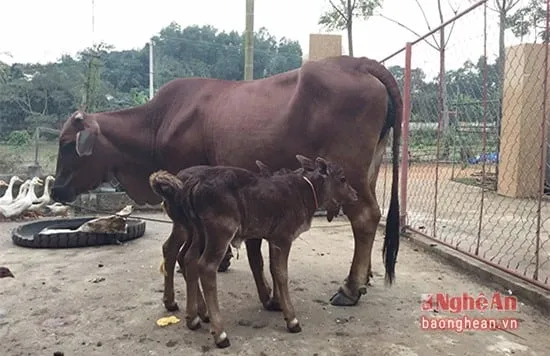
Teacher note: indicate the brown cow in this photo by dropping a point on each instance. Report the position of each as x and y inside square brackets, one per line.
[341, 108]
[228, 205]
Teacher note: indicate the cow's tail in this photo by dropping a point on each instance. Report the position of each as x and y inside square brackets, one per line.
[166, 185]
[393, 120]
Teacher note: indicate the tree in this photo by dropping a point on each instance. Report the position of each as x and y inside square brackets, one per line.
[529, 19]
[439, 44]
[342, 14]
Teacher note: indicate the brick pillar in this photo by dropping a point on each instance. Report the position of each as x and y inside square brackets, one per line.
[520, 151]
[324, 45]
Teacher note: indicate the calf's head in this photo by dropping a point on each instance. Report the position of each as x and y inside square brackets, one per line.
[81, 164]
[330, 183]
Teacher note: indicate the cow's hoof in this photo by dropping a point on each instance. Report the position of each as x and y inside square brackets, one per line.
[272, 305]
[171, 306]
[340, 299]
[193, 324]
[294, 326]
[223, 342]
[205, 318]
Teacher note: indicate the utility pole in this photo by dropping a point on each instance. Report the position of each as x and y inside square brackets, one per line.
[249, 41]
[151, 85]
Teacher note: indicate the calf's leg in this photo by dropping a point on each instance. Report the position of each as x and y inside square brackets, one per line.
[226, 262]
[279, 270]
[202, 310]
[170, 250]
[217, 238]
[191, 273]
[273, 304]
[256, 262]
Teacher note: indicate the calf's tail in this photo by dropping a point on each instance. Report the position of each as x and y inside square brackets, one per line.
[165, 185]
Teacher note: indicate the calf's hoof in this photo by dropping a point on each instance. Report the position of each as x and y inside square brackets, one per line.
[294, 326]
[205, 318]
[173, 306]
[272, 305]
[341, 299]
[193, 324]
[222, 341]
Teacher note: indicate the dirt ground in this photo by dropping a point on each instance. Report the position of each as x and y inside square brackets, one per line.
[106, 300]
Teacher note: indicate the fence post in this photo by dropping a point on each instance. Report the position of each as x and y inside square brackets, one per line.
[543, 147]
[405, 135]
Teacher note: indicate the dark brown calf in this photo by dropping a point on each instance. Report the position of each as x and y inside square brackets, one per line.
[230, 205]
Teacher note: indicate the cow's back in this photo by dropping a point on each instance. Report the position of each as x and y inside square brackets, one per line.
[322, 106]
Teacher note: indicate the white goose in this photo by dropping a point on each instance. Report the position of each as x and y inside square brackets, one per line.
[44, 198]
[22, 204]
[7, 198]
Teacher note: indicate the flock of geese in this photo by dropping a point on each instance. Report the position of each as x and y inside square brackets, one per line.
[26, 202]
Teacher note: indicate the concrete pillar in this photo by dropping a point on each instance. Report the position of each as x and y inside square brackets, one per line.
[522, 116]
[324, 45]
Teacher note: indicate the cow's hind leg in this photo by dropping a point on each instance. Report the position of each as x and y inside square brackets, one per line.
[170, 250]
[364, 216]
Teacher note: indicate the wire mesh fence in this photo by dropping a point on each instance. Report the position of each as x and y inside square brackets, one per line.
[476, 167]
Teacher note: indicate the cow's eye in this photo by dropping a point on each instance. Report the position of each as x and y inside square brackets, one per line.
[343, 179]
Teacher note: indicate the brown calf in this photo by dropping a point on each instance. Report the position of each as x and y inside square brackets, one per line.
[231, 205]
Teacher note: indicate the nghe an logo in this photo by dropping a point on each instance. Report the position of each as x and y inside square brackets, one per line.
[468, 302]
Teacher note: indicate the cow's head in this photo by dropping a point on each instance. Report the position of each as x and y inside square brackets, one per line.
[334, 190]
[81, 163]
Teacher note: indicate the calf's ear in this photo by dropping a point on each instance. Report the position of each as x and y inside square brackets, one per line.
[85, 141]
[264, 169]
[306, 163]
[322, 165]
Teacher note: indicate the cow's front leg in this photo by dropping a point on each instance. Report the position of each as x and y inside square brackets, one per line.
[170, 250]
[364, 216]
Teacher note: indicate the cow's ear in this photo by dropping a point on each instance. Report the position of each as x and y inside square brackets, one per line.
[322, 165]
[85, 141]
[306, 163]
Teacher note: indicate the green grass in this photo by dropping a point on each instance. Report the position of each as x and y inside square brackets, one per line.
[13, 158]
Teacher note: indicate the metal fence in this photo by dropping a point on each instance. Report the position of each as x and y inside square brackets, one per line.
[474, 175]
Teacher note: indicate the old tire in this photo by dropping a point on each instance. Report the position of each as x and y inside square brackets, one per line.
[28, 235]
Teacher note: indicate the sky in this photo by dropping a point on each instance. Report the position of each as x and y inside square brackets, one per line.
[57, 27]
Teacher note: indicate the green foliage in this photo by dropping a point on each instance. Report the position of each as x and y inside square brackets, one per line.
[342, 13]
[529, 19]
[102, 79]
[19, 138]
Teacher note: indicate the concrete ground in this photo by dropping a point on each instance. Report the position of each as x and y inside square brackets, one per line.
[106, 300]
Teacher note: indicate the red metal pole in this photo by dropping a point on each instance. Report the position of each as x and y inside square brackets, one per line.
[543, 147]
[484, 134]
[405, 134]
